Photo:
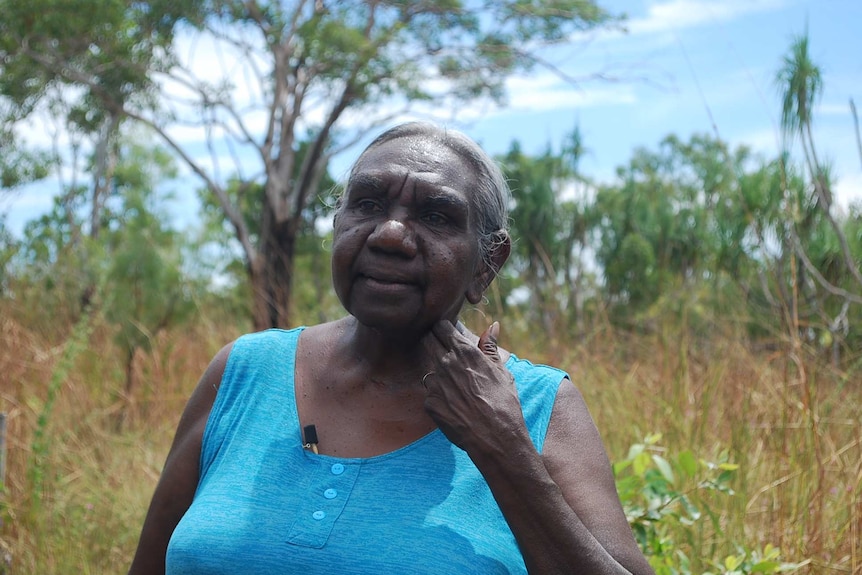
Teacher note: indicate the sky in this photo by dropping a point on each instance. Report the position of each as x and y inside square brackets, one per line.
[680, 67]
[694, 66]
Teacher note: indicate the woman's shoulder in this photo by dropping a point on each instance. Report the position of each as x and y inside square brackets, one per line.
[538, 386]
[272, 336]
[261, 345]
[528, 372]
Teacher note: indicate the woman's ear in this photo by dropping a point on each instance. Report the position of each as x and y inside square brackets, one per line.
[488, 268]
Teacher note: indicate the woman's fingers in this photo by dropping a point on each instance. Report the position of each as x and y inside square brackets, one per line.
[488, 340]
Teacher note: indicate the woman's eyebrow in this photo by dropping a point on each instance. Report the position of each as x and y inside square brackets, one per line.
[365, 181]
[443, 199]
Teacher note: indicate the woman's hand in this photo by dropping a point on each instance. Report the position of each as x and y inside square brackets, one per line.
[470, 393]
[562, 504]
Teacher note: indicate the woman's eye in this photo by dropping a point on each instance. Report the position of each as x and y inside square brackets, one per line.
[367, 206]
[435, 218]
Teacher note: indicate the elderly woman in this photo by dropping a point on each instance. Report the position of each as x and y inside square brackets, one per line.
[427, 449]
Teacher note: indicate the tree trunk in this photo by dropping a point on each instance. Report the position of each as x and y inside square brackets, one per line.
[272, 272]
[103, 172]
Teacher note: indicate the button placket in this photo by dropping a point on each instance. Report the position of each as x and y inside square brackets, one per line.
[328, 493]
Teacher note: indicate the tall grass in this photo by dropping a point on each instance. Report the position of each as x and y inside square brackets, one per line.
[792, 423]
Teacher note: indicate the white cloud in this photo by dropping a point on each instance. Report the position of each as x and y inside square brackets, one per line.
[549, 92]
[676, 15]
[848, 189]
[833, 109]
[764, 141]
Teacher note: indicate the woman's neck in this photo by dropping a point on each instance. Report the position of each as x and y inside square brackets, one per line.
[391, 359]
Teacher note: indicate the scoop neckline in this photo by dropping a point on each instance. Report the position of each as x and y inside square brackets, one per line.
[323, 457]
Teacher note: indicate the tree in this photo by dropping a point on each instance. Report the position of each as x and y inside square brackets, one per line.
[53, 267]
[83, 62]
[148, 291]
[548, 228]
[801, 84]
[132, 272]
[322, 74]
[250, 199]
[686, 220]
[19, 166]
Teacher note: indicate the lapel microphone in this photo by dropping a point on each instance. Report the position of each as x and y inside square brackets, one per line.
[310, 434]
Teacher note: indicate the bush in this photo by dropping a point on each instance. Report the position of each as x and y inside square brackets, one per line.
[666, 500]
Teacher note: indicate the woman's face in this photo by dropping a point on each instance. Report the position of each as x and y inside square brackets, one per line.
[405, 251]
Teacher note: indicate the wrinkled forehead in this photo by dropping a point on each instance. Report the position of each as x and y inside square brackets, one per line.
[423, 158]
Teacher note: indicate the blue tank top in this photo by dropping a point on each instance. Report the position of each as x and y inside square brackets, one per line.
[265, 506]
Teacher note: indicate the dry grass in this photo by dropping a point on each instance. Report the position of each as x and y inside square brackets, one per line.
[795, 428]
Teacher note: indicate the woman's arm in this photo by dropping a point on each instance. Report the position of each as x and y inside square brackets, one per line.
[562, 505]
[179, 478]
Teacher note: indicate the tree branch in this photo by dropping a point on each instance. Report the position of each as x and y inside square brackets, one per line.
[231, 211]
[812, 269]
[856, 126]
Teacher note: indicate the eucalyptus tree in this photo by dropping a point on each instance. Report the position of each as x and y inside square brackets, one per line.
[272, 75]
[322, 74]
[83, 63]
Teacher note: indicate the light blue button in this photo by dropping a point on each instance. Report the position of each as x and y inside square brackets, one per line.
[319, 515]
[330, 493]
[337, 469]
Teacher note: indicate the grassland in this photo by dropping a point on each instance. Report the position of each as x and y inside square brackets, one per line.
[83, 457]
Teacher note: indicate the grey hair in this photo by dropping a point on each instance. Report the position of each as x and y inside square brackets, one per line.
[491, 197]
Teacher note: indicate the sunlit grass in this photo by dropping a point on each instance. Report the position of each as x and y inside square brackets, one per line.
[795, 429]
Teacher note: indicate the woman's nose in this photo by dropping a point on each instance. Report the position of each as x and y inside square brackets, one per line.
[393, 236]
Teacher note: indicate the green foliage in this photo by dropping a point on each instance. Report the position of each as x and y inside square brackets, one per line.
[745, 562]
[56, 267]
[662, 223]
[8, 249]
[19, 166]
[108, 47]
[664, 500]
[41, 444]
[800, 83]
[147, 287]
[54, 264]
[548, 227]
[394, 48]
[690, 227]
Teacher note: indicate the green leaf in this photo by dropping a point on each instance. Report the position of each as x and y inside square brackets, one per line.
[692, 511]
[653, 439]
[664, 468]
[731, 562]
[766, 566]
[687, 463]
[641, 463]
[636, 449]
[621, 466]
